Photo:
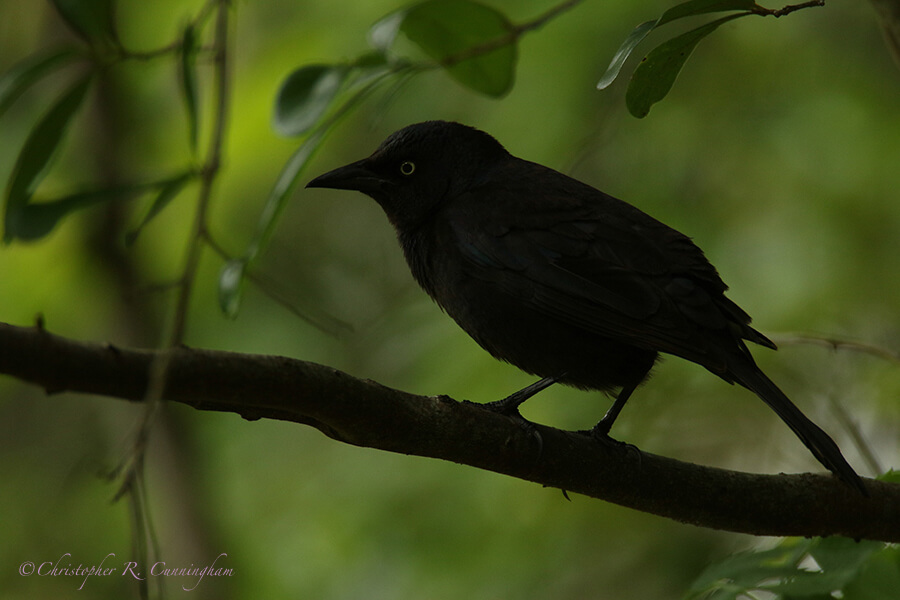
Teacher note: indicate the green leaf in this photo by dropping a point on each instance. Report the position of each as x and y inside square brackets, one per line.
[168, 190]
[40, 147]
[93, 20]
[451, 32]
[35, 220]
[383, 33]
[840, 553]
[232, 274]
[370, 61]
[634, 38]
[305, 96]
[879, 577]
[739, 573]
[231, 279]
[281, 191]
[290, 173]
[890, 476]
[656, 74]
[22, 75]
[189, 49]
[841, 564]
[679, 11]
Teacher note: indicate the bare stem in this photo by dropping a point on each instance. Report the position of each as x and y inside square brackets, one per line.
[322, 321]
[780, 12]
[159, 368]
[208, 173]
[840, 344]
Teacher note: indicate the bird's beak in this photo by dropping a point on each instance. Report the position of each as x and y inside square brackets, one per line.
[355, 176]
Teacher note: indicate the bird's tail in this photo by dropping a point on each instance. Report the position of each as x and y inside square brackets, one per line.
[819, 443]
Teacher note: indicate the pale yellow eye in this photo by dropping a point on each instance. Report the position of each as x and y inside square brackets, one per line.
[407, 167]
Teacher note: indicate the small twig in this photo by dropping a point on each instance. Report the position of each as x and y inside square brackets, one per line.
[207, 174]
[160, 366]
[175, 46]
[324, 322]
[514, 34]
[547, 16]
[838, 344]
[780, 12]
[852, 427]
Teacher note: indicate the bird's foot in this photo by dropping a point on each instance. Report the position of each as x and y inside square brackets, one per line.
[600, 434]
[510, 409]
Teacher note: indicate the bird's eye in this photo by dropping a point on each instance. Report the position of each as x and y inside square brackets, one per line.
[407, 167]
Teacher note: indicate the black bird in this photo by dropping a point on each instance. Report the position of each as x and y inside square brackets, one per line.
[557, 277]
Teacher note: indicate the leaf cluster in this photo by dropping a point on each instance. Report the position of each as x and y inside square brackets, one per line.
[313, 99]
[475, 44]
[655, 75]
[27, 214]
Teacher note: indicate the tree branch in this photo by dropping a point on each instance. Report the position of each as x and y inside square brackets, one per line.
[365, 413]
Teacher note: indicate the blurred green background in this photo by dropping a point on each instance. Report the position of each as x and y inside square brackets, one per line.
[777, 151]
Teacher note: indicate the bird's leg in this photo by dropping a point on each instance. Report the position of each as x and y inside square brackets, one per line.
[510, 404]
[601, 429]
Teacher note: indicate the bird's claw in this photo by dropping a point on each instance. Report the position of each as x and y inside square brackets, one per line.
[600, 434]
[511, 410]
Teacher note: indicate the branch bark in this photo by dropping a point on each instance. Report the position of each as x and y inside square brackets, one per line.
[365, 413]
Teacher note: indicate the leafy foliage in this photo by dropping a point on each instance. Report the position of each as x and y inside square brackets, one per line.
[806, 568]
[656, 74]
[314, 98]
[473, 43]
[23, 75]
[28, 217]
[801, 568]
[22, 218]
[657, 71]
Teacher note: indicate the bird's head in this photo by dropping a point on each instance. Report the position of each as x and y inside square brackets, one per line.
[416, 168]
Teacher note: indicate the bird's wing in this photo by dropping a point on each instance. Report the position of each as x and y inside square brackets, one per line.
[608, 268]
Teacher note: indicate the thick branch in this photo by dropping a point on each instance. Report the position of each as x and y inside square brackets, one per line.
[365, 413]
